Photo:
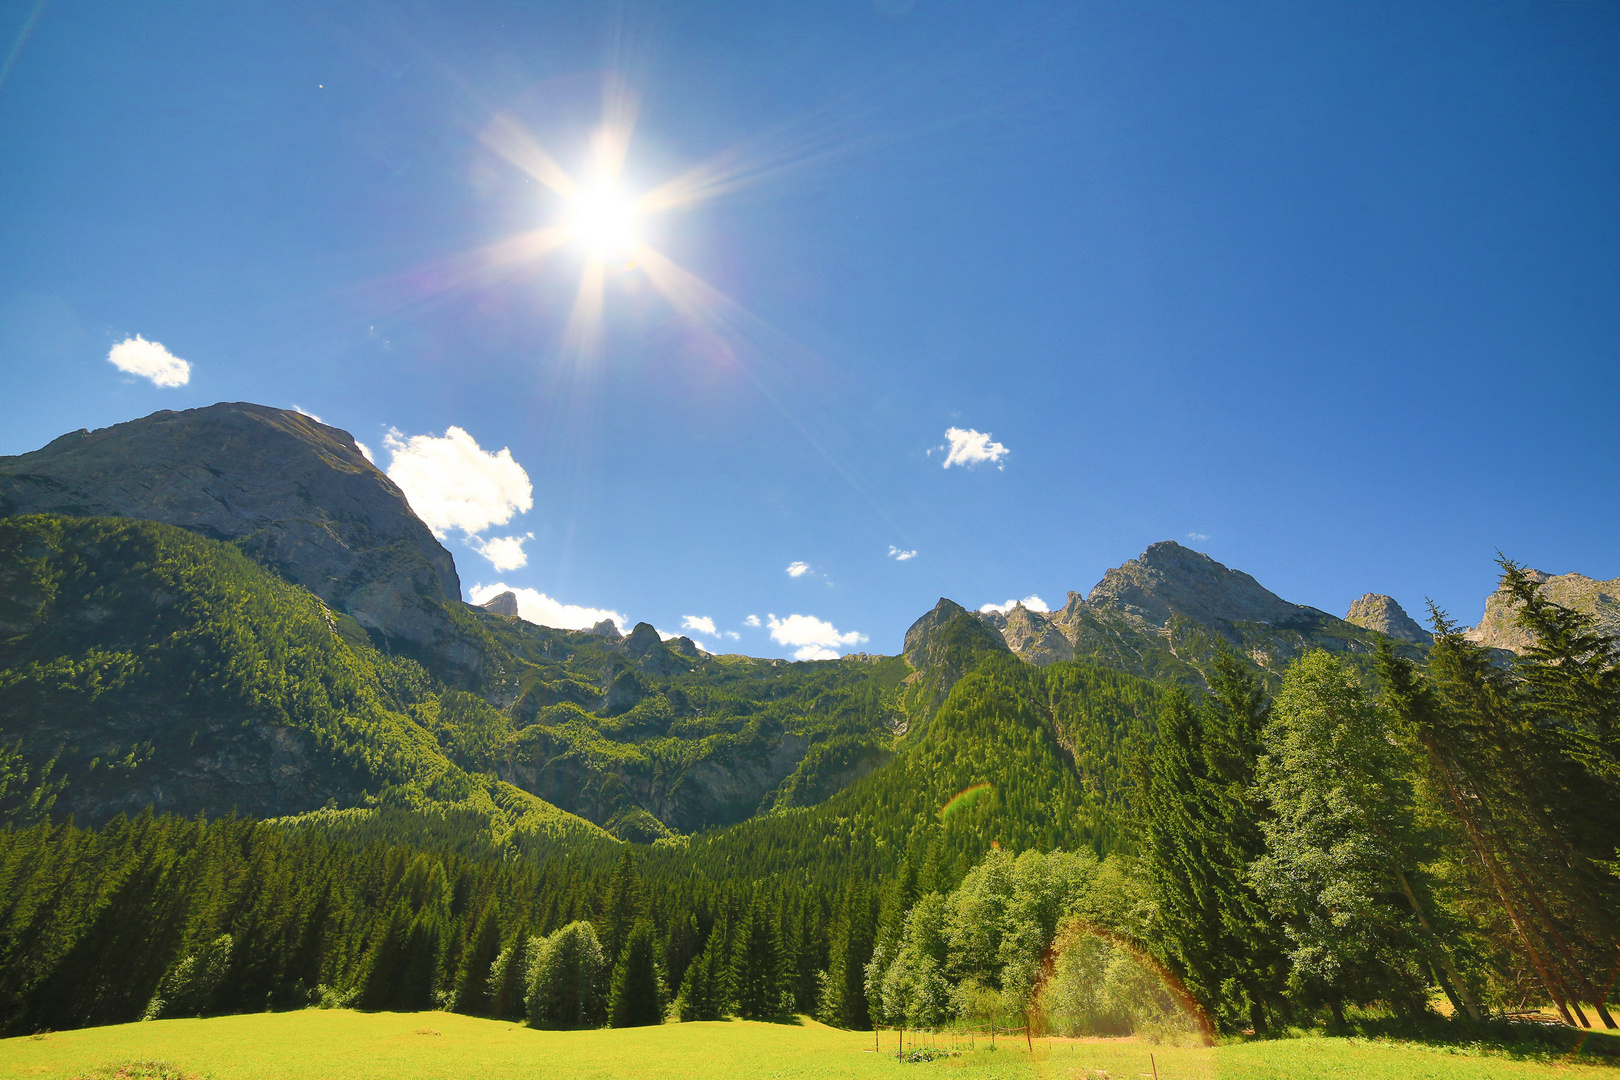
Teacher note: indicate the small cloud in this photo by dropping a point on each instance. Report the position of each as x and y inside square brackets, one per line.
[453, 483]
[1030, 602]
[702, 624]
[752, 620]
[900, 556]
[969, 447]
[1198, 536]
[365, 451]
[815, 639]
[732, 634]
[301, 411]
[542, 610]
[149, 360]
[798, 569]
[503, 552]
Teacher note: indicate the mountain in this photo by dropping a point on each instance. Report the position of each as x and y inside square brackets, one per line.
[1599, 599]
[1375, 611]
[1164, 614]
[291, 493]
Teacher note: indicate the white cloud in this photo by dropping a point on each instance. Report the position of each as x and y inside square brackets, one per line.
[701, 624]
[969, 447]
[452, 483]
[149, 360]
[1198, 536]
[503, 552]
[1030, 602]
[301, 411]
[538, 608]
[798, 569]
[732, 634]
[900, 556]
[815, 638]
[752, 620]
[365, 451]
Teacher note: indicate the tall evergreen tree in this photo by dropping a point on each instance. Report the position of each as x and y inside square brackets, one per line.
[637, 995]
[472, 982]
[621, 906]
[843, 1001]
[704, 991]
[756, 973]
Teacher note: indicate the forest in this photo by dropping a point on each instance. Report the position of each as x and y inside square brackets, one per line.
[1070, 847]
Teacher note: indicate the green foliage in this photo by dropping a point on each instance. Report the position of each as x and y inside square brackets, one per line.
[637, 995]
[565, 978]
[1338, 838]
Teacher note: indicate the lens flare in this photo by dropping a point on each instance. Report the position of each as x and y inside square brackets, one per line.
[965, 798]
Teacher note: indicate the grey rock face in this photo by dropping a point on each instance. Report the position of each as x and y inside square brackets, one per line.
[1375, 611]
[1499, 628]
[1167, 614]
[1169, 579]
[295, 495]
[503, 604]
[1033, 635]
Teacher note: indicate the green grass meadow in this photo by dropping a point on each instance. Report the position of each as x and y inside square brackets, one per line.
[340, 1045]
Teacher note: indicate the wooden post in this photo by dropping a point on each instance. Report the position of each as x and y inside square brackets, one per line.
[1155, 1065]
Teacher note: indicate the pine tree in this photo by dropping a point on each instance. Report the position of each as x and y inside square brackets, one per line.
[843, 1001]
[637, 996]
[756, 974]
[472, 983]
[704, 992]
[622, 905]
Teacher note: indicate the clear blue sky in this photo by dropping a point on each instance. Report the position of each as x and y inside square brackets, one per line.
[1328, 291]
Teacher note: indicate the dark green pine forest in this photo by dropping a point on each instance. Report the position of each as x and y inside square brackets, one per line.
[221, 794]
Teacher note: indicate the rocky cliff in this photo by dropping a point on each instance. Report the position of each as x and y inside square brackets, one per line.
[293, 494]
[1600, 599]
[1375, 611]
[1164, 614]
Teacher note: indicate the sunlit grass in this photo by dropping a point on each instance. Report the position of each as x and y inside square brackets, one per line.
[339, 1045]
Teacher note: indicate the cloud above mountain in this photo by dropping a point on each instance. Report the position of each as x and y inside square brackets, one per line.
[453, 483]
[798, 569]
[813, 638]
[1030, 602]
[149, 360]
[699, 624]
[899, 555]
[542, 610]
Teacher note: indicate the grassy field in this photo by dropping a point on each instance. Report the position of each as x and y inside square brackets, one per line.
[339, 1045]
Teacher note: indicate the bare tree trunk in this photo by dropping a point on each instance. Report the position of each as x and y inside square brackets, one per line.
[1469, 1005]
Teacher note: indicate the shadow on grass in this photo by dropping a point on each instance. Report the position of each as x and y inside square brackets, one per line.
[1519, 1039]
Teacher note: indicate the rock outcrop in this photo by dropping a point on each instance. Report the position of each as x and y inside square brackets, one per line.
[292, 493]
[1166, 614]
[504, 604]
[948, 629]
[1375, 611]
[1499, 627]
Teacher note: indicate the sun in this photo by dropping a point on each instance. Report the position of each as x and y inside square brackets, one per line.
[602, 219]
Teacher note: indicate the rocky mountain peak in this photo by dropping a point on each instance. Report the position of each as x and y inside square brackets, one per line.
[642, 640]
[947, 634]
[1499, 627]
[292, 493]
[502, 604]
[1375, 611]
[1168, 579]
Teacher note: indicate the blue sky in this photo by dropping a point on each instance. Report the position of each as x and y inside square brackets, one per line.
[1327, 291]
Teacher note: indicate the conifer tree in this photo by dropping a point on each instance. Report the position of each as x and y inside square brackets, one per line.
[703, 991]
[621, 906]
[756, 974]
[637, 995]
[472, 982]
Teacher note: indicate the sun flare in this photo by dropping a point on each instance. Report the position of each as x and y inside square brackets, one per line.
[603, 220]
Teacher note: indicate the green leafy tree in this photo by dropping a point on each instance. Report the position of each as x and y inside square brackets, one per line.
[756, 970]
[565, 978]
[704, 993]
